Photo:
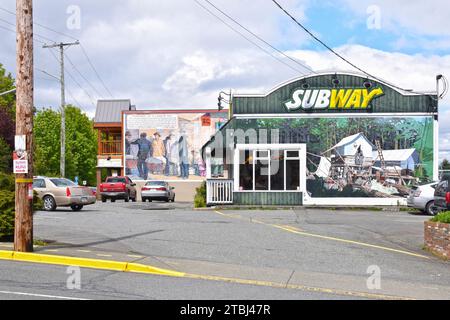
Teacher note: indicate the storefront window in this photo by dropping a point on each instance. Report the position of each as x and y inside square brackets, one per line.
[246, 171]
[275, 170]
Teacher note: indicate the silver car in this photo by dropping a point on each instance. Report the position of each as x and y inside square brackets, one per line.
[157, 190]
[422, 197]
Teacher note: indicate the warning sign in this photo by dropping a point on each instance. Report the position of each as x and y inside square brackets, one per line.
[20, 162]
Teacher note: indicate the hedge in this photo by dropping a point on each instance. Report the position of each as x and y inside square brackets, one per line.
[443, 217]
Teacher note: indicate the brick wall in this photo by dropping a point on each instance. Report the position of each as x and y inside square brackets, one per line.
[437, 238]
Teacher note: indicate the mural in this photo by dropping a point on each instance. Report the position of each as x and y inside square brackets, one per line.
[166, 146]
[361, 157]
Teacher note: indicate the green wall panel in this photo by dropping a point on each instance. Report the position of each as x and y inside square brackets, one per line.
[268, 198]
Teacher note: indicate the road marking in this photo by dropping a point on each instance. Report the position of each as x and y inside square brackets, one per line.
[103, 255]
[148, 269]
[51, 250]
[364, 244]
[299, 287]
[86, 251]
[41, 295]
[134, 256]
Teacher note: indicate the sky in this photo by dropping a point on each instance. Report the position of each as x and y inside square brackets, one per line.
[175, 54]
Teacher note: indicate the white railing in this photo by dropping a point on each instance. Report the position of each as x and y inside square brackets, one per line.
[219, 191]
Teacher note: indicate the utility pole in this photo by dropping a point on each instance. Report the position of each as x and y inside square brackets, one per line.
[23, 231]
[62, 159]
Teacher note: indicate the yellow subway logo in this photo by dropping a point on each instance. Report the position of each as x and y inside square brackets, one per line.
[319, 99]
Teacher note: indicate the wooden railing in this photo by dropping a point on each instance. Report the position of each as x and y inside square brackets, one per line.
[219, 191]
[110, 147]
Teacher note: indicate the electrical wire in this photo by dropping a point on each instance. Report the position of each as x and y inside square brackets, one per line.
[337, 54]
[73, 79]
[73, 38]
[258, 37]
[95, 71]
[248, 39]
[82, 76]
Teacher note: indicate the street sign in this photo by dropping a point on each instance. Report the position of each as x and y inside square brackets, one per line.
[20, 162]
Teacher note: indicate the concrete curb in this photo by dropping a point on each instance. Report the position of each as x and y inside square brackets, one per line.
[87, 263]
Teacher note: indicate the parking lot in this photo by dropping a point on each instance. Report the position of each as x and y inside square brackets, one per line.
[313, 247]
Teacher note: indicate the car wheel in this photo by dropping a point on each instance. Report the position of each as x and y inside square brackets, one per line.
[103, 199]
[173, 199]
[144, 199]
[76, 207]
[127, 198]
[113, 200]
[150, 200]
[49, 203]
[431, 209]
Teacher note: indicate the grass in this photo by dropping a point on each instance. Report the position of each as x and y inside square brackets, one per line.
[443, 217]
[41, 243]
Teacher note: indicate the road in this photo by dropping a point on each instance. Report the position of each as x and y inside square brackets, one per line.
[314, 253]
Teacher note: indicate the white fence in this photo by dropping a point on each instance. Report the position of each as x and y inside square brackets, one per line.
[219, 191]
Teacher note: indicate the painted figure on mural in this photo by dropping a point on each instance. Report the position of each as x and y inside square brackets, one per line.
[145, 150]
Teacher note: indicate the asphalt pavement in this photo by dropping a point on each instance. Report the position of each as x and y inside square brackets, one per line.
[282, 254]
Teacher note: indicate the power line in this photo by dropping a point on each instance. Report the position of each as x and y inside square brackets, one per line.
[95, 70]
[34, 33]
[248, 39]
[82, 76]
[73, 38]
[334, 52]
[259, 38]
[14, 31]
[74, 80]
[41, 25]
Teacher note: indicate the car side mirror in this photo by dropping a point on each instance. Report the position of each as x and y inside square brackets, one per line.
[172, 188]
[133, 184]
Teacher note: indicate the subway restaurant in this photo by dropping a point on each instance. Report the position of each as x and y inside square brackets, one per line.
[324, 139]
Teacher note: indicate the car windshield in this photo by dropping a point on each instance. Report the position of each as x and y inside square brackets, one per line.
[155, 183]
[115, 180]
[63, 182]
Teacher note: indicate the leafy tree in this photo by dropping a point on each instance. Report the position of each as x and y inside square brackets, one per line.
[81, 144]
[7, 117]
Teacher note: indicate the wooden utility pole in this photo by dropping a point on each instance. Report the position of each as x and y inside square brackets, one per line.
[23, 232]
[62, 159]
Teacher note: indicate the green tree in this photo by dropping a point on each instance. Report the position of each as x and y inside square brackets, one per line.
[81, 144]
[7, 117]
[445, 165]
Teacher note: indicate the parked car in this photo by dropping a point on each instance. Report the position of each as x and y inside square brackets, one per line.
[118, 188]
[442, 194]
[422, 198]
[94, 190]
[61, 192]
[157, 190]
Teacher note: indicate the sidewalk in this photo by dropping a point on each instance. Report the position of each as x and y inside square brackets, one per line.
[351, 286]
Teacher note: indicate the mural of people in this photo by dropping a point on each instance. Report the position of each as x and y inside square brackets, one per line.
[183, 152]
[145, 150]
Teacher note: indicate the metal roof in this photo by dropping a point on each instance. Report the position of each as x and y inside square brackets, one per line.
[110, 111]
[396, 155]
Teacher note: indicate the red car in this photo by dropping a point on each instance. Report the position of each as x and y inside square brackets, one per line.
[118, 188]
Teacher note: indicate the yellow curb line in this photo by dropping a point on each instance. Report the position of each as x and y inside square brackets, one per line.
[87, 263]
[299, 287]
[140, 268]
[364, 244]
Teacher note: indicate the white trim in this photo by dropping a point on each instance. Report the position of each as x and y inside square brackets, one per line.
[435, 150]
[331, 115]
[348, 201]
[331, 73]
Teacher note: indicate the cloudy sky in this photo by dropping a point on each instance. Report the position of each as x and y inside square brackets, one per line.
[173, 53]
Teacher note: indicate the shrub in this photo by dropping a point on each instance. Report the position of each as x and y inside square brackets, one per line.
[443, 217]
[7, 205]
[200, 196]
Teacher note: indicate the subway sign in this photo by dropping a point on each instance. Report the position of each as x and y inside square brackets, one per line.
[333, 99]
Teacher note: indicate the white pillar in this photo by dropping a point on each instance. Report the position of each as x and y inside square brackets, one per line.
[236, 169]
[435, 150]
[208, 162]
